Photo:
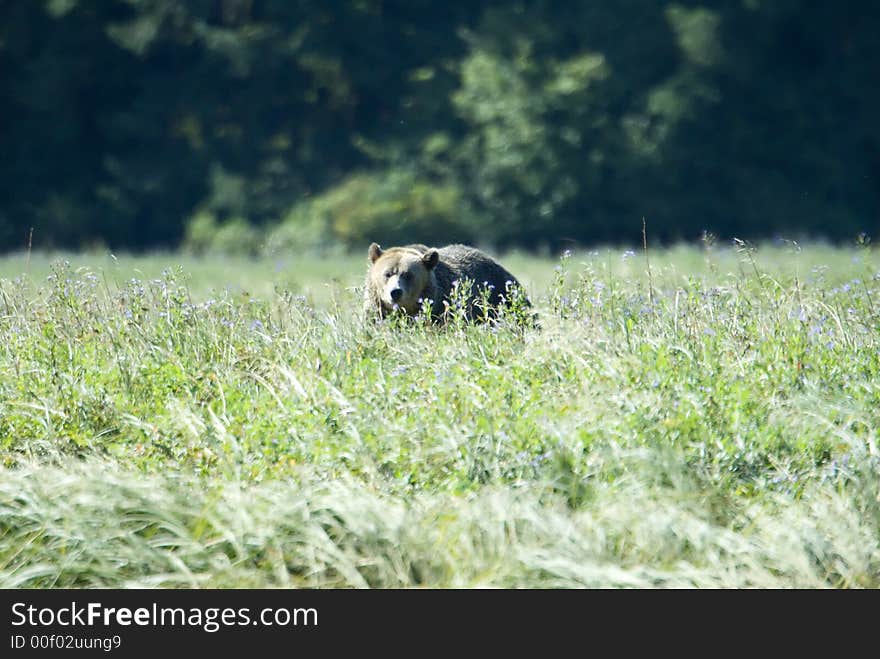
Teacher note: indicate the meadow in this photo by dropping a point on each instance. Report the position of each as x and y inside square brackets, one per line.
[690, 417]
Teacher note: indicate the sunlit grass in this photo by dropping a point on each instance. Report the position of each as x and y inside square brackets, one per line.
[699, 417]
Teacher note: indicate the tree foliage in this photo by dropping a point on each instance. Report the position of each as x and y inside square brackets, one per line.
[524, 123]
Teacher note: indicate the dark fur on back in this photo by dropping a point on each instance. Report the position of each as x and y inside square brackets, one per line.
[459, 263]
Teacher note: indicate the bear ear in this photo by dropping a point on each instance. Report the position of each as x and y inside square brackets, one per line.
[430, 259]
[374, 252]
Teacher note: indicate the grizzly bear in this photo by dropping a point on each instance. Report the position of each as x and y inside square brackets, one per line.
[404, 278]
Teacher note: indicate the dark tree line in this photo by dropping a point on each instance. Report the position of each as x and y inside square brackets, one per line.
[141, 123]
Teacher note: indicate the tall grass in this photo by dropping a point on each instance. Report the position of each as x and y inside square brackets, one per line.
[712, 426]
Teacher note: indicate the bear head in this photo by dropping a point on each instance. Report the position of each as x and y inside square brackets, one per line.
[400, 276]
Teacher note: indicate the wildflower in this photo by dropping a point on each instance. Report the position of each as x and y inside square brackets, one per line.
[257, 325]
[541, 458]
[628, 254]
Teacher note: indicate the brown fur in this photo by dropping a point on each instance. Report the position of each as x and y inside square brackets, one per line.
[401, 278]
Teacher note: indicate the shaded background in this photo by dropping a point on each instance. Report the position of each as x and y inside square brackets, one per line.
[255, 126]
